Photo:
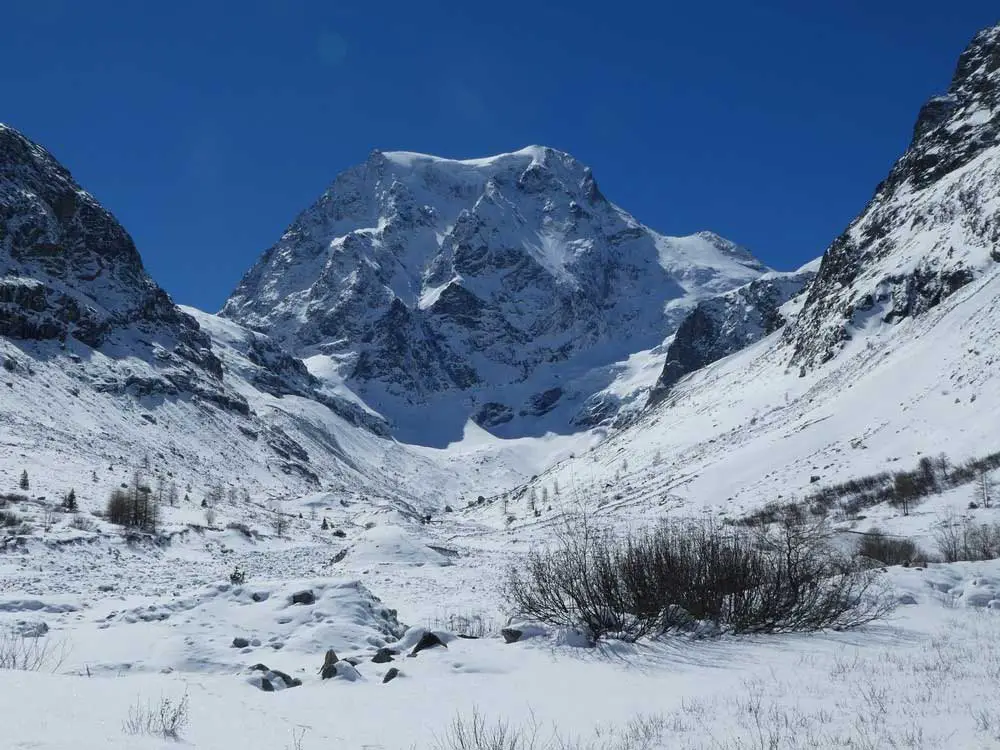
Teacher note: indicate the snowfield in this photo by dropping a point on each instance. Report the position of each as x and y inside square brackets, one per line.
[143, 628]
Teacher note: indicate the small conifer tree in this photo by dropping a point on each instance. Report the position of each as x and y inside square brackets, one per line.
[69, 502]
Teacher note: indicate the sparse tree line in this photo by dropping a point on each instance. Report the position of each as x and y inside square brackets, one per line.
[902, 489]
[135, 505]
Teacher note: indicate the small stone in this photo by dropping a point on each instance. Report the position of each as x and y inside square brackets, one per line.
[383, 655]
[427, 640]
[511, 635]
[240, 643]
[304, 597]
[329, 668]
[391, 675]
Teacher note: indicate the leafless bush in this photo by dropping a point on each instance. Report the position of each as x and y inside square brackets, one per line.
[82, 523]
[28, 653]
[166, 719]
[471, 625]
[242, 528]
[789, 579]
[476, 733]
[965, 540]
[875, 545]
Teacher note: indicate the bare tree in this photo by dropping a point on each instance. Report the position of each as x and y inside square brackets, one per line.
[986, 488]
[279, 521]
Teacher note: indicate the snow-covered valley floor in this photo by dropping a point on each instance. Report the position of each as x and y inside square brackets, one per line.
[138, 623]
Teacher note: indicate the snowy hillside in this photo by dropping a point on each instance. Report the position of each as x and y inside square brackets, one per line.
[103, 375]
[931, 227]
[889, 354]
[498, 289]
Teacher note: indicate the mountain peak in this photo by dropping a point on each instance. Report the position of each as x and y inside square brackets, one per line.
[483, 282]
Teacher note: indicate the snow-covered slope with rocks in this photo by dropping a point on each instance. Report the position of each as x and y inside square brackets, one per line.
[103, 374]
[932, 226]
[888, 355]
[719, 326]
[394, 537]
[492, 289]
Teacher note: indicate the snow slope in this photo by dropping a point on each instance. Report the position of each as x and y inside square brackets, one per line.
[890, 354]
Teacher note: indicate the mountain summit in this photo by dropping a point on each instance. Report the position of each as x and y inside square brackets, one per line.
[485, 287]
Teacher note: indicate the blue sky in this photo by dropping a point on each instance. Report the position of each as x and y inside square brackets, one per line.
[206, 126]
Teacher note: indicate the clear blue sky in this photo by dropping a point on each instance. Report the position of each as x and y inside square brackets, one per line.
[206, 126]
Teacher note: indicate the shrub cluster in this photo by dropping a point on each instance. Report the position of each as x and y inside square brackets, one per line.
[901, 489]
[966, 540]
[789, 579]
[889, 550]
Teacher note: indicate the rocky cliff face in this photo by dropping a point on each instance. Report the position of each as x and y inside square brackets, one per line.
[932, 226]
[719, 326]
[491, 280]
[70, 273]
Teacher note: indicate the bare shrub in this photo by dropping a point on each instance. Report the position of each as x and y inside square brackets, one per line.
[581, 583]
[28, 653]
[82, 523]
[166, 719]
[965, 540]
[768, 580]
[469, 625]
[890, 550]
[476, 733]
[242, 528]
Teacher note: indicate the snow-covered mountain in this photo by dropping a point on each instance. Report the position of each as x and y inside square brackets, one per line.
[70, 275]
[440, 290]
[719, 326]
[103, 373]
[889, 353]
[932, 227]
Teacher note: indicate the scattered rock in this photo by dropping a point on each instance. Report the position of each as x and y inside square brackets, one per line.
[31, 628]
[272, 679]
[240, 643]
[383, 655]
[907, 599]
[344, 670]
[511, 635]
[329, 668]
[427, 640]
[391, 675]
[304, 597]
